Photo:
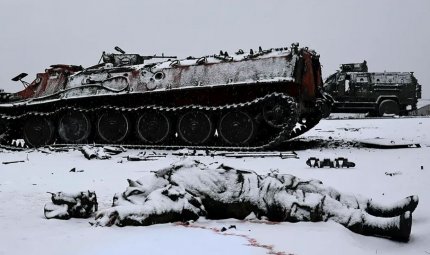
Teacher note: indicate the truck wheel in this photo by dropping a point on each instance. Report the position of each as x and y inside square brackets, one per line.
[388, 106]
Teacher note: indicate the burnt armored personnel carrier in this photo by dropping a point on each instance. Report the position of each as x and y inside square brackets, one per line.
[247, 100]
[355, 89]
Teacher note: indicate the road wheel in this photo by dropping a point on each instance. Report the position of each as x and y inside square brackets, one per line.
[3, 127]
[388, 106]
[74, 127]
[112, 127]
[153, 127]
[195, 127]
[38, 131]
[236, 127]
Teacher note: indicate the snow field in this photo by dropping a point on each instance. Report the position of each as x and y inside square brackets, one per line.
[23, 188]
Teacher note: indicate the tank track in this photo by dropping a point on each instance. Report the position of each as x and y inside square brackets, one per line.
[287, 131]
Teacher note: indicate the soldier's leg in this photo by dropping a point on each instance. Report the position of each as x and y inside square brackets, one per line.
[360, 202]
[293, 206]
[359, 221]
[394, 209]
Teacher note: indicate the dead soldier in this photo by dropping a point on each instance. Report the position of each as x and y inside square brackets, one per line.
[190, 189]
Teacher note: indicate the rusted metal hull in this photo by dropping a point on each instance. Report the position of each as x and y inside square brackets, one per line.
[267, 91]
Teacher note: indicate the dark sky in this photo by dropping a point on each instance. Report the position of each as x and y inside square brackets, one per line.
[391, 35]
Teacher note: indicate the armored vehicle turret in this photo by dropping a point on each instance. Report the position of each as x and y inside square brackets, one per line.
[247, 100]
[354, 89]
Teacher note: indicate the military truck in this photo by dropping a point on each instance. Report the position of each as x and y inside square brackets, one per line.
[356, 90]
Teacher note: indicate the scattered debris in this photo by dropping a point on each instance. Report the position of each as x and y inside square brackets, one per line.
[138, 158]
[244, 154]
[16, 161]
[350, 129]
[337, 163]
[43, 151]
[73, 170]
[313, 162]
[188, 152]
[114, 150]
[92, 152]
[13, 162]
[142, 156]
[383, 143]
[223, 229]
[325, 163]
[60, 149]
[88, 152]
[236, 154]
[65, 206]
[393, 173]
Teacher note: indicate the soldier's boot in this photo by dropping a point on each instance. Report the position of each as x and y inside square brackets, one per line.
[396, 228]
[396, 209]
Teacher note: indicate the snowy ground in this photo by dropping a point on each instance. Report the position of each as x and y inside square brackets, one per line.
[23, 187]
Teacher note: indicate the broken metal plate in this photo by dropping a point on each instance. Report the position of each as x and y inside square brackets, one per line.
[385, 143]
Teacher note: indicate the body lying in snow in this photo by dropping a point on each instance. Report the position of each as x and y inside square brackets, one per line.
[189, 189]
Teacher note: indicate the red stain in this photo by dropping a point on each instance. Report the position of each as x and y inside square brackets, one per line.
[251, 241]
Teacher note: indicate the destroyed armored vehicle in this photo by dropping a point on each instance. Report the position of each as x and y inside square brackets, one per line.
[355, 89]
[255, 99]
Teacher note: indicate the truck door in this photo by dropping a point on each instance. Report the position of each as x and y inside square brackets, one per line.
[362, 88]
[344, 87]
[341, 87]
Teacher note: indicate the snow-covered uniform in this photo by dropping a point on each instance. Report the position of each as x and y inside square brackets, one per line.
[189, 189]
[71, 205]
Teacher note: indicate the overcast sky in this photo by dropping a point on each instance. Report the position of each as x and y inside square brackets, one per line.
[391, 35]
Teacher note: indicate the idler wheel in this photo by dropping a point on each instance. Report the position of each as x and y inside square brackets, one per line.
[236, 127]
[74, 127]
[195, 127]
[38, 131]
[153, 127]
[276, 114]
[112, 127]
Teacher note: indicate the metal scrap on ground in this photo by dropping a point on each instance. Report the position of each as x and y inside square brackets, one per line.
[282, 155]
[107, 151]
[142, 156]
[92, 152]
[383, 143]
[337, 163]
[12, 162]
[237, 154]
